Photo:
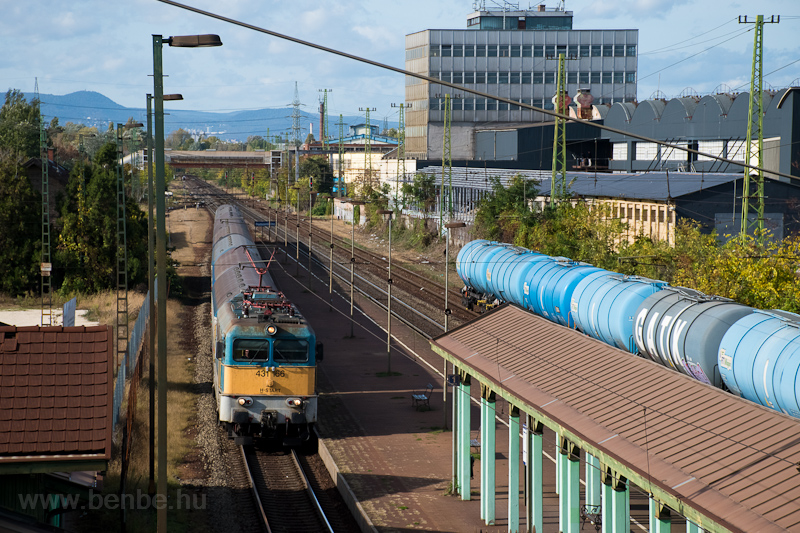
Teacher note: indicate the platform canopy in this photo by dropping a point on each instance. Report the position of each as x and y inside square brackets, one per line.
[723, 462]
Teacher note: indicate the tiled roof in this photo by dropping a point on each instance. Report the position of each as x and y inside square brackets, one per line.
[55, 393]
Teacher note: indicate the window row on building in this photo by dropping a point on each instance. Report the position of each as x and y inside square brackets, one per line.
[646, 151]
[520, 23]
[526, 78]
[490, 104]
[530, 50]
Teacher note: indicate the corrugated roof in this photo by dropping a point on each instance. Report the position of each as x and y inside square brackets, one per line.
[653, 186]
[55, 393]
[657, 186]
[688, 443]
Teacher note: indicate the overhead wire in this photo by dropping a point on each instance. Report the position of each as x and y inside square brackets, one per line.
[459, 87]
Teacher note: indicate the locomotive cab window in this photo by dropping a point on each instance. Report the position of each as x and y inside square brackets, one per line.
[250, 350]
[290, 351]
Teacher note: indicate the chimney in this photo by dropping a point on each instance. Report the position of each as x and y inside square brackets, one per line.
[321, 120]
[50, 154]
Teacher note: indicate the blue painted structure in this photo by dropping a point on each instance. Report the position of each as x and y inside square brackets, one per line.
[754, 354]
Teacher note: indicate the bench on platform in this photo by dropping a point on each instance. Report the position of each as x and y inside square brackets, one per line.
[591, 513]
[422, 399]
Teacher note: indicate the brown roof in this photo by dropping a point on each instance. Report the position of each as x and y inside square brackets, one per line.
[704, 452]
[55, 393]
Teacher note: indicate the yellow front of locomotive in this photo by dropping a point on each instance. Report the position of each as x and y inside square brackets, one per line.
[265, 369]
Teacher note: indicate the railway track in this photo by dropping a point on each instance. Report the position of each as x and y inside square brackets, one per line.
[426, 313]
[282, 492]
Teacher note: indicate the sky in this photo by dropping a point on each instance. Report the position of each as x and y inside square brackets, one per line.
[685, 46]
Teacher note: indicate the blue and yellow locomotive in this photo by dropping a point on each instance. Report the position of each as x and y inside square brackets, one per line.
[265, 353]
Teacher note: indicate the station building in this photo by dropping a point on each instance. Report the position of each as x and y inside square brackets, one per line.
[512, 54]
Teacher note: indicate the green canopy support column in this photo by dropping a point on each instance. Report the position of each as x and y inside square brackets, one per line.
[592, 483]
[616, 502]
[454, 407]
[464, 456]
[513, 469]
[570, 491]
[488, 449]
[534, 492]
[558, 464]
[691, 527]
[660, 517]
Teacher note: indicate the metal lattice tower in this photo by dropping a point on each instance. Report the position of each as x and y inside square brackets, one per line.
[122, 257]
[753, 193]
[447, 166]
[559, 178]
[341, 155]
[325, 133]
[368, 149]
[401, 153]
[296, 132]
[46, 266]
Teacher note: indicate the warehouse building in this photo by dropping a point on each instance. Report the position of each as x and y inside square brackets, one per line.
[715, 124]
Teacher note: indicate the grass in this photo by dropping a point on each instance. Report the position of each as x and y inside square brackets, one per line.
[181, 401]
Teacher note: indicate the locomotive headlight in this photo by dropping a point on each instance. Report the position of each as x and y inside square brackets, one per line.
[272, 329]
[294, 402]
[245, 401]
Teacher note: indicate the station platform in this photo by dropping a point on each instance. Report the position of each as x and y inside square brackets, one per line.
[395, 459]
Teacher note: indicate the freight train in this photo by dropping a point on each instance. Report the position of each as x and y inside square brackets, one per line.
[752, 353]
[265, 352]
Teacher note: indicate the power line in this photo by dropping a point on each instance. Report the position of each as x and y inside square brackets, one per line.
[466, 89]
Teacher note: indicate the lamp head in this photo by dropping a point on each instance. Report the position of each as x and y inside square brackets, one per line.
[172, 97]
[194, 41]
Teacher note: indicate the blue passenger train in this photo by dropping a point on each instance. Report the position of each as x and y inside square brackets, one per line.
[752, 353]
[265, 352]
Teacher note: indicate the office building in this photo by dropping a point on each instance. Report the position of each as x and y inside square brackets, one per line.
[513, 54]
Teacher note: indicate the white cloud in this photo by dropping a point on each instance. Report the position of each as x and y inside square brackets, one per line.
[611, 9]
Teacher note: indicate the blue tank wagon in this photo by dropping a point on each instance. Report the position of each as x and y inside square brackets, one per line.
[754, 354]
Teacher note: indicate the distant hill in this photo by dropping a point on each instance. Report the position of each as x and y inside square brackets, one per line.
[94, 109]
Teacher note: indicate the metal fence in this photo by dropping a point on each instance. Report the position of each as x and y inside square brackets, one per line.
[131, 357]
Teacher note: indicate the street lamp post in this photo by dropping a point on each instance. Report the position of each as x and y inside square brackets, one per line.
[310, 230]
[389, 213]
[449, 227]
[151, 327]
[190, 41]
[353, 260]
[151, 282]
[330, 269]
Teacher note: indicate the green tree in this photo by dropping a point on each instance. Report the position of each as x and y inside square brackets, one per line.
[422, 192]
[87, 243]
[317, 168]
[19, 125]
[179, 139]
[501, 214]
[20, 230]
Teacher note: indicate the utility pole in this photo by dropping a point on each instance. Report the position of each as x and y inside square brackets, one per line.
[401, 154]
[561, 101]
[368, 149]
[46, 266]
[754, 179]
[323, 131]
[341, 155]
[447, 167]
[296, 132]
